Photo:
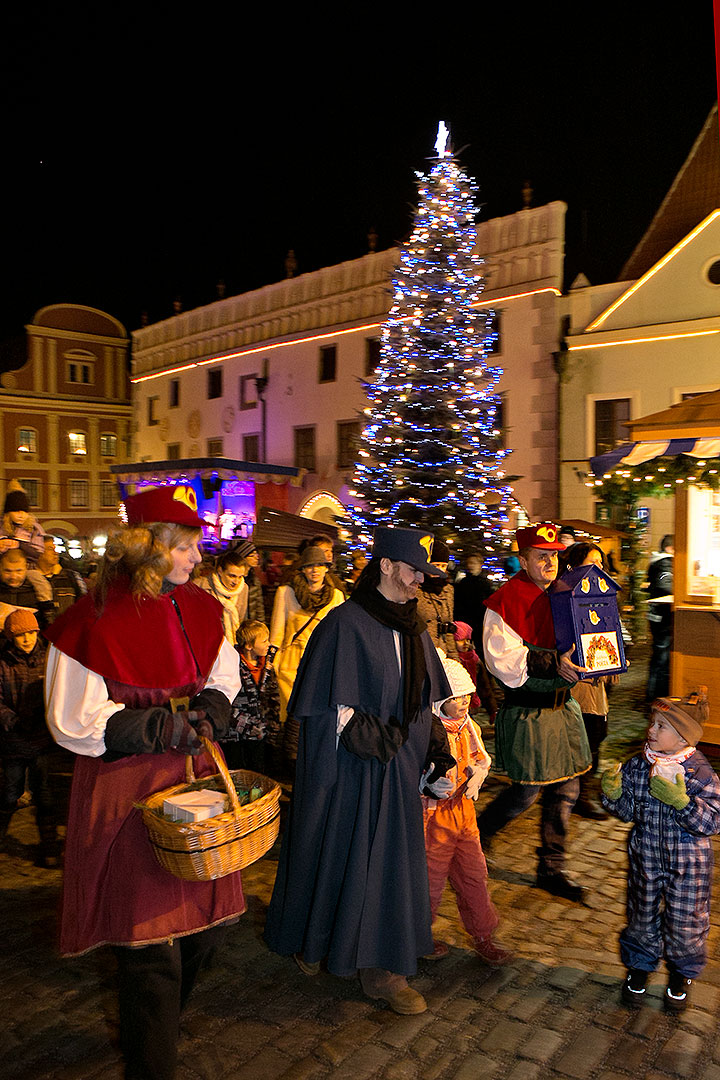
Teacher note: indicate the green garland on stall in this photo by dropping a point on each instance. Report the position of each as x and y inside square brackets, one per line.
[654, 479]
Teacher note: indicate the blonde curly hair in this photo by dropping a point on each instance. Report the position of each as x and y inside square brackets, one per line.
[140, 555]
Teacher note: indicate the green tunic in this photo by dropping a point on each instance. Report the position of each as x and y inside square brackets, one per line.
[539, 744]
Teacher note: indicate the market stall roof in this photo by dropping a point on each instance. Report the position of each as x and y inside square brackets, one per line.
[281, 531]
[139, 472]
[690, 427]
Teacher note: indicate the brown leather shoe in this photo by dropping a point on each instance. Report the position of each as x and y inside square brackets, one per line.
[305, 967]
[384, 985]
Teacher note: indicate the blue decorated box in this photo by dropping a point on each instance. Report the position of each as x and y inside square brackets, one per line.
[585, 614]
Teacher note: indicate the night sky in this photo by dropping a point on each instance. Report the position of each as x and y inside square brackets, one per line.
[149, 155]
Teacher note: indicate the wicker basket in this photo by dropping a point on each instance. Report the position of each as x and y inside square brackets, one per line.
[206, 850]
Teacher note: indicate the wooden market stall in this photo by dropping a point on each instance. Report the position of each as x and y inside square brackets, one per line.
[688, 430]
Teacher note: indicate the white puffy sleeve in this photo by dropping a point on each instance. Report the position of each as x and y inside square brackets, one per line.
[77, 705]
[505, 653]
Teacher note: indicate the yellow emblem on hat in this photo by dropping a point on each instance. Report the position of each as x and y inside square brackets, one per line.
[548, 532]
[184, 494]
[426, 542]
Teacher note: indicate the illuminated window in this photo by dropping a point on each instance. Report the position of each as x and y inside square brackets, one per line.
[79, 493]
[251, 447]
[78, 442]
[611, 430]
[32, 488]
[108, 445]
[328, 363]
[214, 383]
[108, 493]
[305, 448]
[27, 442]
[348, 436]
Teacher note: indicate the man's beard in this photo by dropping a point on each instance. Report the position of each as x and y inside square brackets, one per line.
[409, 592]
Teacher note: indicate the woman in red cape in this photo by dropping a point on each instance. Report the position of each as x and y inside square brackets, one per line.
[136, 673]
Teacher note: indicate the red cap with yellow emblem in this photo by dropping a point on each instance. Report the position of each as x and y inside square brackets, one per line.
[543, 535]
[175, 504]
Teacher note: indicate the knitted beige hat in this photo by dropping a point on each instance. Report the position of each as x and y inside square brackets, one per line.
[687, 715]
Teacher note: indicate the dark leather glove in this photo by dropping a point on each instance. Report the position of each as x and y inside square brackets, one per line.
[152, 731]
[367, 736]
[217, 711]
[542, 664]
[438, 759]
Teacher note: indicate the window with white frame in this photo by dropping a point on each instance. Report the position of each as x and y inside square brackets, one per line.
[78, 442]
[611, 420]
[79, 493]
[27, 441]
[32, 487]
[108, 445]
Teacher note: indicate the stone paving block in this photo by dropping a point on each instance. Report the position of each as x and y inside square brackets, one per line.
[650, 1022]
[701, 1022]
[529, 1004]
[504, 1036]
[477, 1065]
[706, 996]
[541, 1045]
[247, 1034]
[269, 1064]
[406, 1069]
[405, 1029]
[585, 1053]
[681, 1054]
[524, 1070]
[712, 1072]
[631, 1053]
[304, 1069]
[460, 1008]
[346, 1040]
[431, 1070]
[561, 1019]
[368, 1061]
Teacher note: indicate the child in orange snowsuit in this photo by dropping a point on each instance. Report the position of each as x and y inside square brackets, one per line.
[452, 839]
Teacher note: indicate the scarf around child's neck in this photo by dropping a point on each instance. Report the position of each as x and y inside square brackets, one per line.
[667, 765]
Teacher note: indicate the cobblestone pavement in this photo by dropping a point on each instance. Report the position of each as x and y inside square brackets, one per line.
[553, 1012]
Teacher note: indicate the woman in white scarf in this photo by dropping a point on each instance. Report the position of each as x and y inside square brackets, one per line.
[227, 583]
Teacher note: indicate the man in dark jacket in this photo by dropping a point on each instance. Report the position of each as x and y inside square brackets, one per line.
[352, 883]
[25, 742]
[660, 618]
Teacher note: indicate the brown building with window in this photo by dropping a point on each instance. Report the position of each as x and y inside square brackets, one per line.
[65, 418]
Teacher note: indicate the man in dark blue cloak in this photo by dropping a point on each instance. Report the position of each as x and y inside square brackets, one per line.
[352, 886]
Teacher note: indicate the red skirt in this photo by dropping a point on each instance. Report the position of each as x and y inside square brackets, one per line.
[115, 891]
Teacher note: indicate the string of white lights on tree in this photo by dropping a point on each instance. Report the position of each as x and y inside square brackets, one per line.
[431, 453]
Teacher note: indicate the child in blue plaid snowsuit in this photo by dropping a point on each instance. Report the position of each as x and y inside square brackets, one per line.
[672, 794]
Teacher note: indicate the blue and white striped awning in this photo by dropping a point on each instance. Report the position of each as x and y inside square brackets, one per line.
[638, 452]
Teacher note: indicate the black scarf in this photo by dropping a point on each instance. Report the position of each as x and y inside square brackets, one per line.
[405, 619]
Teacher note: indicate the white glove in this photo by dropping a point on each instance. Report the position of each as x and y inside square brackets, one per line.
[475, 779]
[441, 788]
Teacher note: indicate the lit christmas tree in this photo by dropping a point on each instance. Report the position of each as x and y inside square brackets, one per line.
[431, 453]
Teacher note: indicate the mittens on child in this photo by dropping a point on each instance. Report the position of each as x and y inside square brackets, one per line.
[672, 793]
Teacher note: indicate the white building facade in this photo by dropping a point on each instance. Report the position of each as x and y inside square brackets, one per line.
[276, 375]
